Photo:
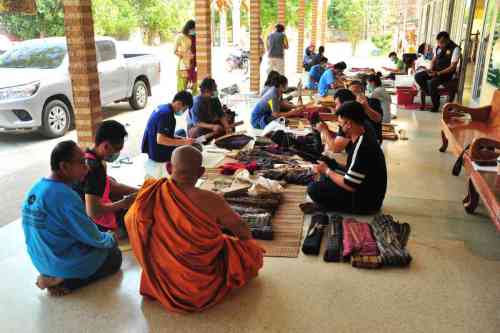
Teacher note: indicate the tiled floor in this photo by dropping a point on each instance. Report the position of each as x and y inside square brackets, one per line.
[453, 284]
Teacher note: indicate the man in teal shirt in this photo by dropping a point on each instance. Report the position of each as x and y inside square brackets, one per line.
[64, 244]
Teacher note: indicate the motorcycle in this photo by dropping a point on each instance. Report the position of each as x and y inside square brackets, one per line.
[238, 59]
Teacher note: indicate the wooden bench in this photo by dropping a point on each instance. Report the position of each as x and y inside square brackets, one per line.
[480, 128]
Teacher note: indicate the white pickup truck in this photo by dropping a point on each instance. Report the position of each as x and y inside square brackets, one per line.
[35, 86]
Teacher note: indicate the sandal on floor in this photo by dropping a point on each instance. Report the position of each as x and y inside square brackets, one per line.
[125, 160]
[309, 208]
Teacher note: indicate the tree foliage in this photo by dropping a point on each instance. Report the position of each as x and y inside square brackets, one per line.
[383, 42]
[358, 19]
[115, 18]
[48, 21]
[119, 18]
[349, 17]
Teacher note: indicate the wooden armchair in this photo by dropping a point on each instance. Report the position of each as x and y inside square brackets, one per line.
[484, 123]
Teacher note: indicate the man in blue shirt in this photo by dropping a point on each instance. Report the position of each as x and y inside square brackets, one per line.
[329, 81]
[159, 139]
[269, 106]
[64, 244]
[206, 116]
[315, 74]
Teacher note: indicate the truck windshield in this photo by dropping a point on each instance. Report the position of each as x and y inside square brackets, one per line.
[34, 54]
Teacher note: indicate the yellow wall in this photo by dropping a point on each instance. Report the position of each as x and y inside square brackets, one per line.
[487, 89]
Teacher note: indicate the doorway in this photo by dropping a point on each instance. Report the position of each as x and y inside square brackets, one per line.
[474, 48]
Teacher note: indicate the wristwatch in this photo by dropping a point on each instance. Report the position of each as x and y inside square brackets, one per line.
[327, 173]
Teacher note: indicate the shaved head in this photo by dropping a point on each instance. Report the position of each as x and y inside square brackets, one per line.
[187, 165]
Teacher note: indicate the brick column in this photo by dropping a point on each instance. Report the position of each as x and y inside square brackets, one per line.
[300, 39]
[203, 39]
[255, 32]
[282, 12]
[314, 23]
[79, 28]
[324, 21]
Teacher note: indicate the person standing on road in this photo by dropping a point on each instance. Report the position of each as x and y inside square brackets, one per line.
[159, 140]
[277, 43]
[185, 50]
[106, 200]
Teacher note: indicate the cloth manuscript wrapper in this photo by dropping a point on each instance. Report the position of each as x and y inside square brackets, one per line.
[188, 263]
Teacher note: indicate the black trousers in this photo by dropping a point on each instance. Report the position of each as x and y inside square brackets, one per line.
[329, 196]
[110, 266]
[430, 85]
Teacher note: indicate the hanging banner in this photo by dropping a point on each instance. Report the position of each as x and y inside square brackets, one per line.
[18, 6]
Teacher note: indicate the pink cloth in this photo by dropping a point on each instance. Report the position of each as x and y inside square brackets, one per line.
[107, 220]
[358, 239]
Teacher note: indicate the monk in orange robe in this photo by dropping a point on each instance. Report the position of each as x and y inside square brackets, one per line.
[175, 230]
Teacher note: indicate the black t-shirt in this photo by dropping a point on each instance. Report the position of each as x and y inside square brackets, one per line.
[366, 173]
[95, 180]
[162, 120]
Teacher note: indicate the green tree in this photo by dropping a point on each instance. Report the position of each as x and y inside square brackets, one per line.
[48, 21]
[115, 18]
[349, 17]
[162, 17]
[383, 42]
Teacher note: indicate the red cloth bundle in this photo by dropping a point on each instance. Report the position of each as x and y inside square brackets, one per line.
[229, 169]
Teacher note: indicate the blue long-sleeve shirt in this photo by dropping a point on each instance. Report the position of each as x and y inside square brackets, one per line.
[315, 74]
[61, 238]
[327, 79]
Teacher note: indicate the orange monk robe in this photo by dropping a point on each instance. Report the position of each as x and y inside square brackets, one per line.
[188, 263]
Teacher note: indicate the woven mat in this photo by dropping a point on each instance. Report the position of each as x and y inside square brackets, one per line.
[287, 222]
[287, 225]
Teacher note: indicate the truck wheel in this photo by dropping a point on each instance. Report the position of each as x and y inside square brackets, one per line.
[56, 119]
[139, 98]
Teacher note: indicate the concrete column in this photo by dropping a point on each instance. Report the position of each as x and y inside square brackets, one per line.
[314, 23]
[255, 32]
[79, 28]
[236, 22]
[282, 12]
[300, 39]
[203, 39]
[324, 21]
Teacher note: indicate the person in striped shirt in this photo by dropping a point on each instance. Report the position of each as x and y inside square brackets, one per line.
[361, 186]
